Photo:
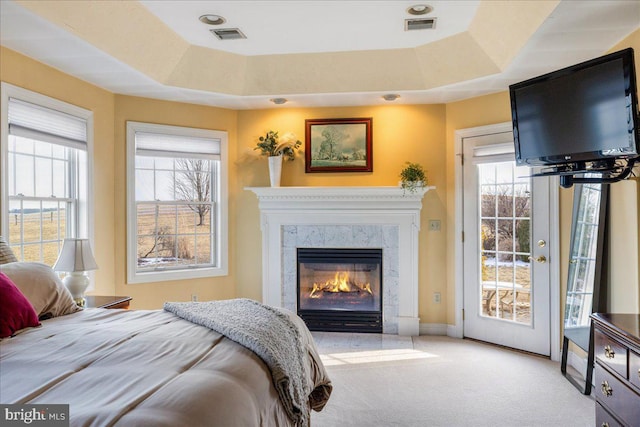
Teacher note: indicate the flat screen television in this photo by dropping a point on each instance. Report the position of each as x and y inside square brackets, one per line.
[584, 113]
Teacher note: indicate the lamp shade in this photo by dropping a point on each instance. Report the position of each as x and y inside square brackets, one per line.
[75, 255]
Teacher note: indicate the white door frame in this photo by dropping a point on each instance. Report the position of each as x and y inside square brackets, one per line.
[554, 236]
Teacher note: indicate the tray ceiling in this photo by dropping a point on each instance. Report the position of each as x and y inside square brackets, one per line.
[314, 53]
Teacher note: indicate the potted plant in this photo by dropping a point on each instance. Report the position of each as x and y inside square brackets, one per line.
[276, 148]
[413, 177]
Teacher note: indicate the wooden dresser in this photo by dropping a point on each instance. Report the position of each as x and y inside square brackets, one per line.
[617, 378]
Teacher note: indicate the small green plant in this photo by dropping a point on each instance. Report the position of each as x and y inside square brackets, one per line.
[273, 145]
[412, 177]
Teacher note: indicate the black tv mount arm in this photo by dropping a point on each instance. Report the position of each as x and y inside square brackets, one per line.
[609, 176]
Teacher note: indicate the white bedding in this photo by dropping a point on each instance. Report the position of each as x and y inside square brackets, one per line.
[128, 368]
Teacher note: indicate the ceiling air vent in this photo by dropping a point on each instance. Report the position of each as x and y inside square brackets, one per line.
[228, 33]
[419, 24]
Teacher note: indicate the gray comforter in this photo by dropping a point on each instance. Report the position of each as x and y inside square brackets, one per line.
[268, 331]
[130, 368]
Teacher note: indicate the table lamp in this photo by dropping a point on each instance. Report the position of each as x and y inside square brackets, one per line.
[76, 259]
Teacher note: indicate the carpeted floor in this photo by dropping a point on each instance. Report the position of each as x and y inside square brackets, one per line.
[387, 380]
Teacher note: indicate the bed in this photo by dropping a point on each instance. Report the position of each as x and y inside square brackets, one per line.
[148, 367]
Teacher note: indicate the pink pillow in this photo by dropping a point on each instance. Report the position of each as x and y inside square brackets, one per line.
[16, 312]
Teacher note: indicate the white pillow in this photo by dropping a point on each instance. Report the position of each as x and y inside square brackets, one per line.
[42, 287]
[6, 254]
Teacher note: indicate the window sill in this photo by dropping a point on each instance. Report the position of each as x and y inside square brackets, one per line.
[164, 276]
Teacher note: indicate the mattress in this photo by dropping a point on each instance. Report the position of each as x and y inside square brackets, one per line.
[130, 368]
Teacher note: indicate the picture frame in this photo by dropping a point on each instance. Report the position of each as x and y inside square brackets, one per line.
[338, 145]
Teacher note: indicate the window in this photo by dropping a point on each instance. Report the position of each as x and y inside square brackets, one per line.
[46, 173]
[177, 202]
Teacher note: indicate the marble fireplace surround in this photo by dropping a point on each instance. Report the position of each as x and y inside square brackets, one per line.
[343, 217]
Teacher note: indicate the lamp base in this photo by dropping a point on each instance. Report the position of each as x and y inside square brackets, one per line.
[77, 283]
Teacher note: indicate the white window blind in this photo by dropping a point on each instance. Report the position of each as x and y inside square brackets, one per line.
[494, 149]
[45, 124]
[176, 146]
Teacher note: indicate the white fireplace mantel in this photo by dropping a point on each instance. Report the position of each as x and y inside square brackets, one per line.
[387, 217]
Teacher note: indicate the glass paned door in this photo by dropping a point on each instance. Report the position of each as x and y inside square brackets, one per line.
[505, 230]
[506, 216]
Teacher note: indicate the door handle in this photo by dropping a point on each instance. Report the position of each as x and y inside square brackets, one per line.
[541, 259]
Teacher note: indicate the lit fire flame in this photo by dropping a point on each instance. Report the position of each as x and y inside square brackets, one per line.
[340, 283]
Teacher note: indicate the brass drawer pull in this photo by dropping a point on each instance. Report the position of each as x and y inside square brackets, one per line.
[608, 352]
[606, 389]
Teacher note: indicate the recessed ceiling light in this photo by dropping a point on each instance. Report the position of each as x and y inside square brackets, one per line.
[212, 19]
[390, 97]
[278, 101]
[419, 9]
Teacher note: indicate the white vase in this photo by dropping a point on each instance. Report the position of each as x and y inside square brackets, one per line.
[275, 170]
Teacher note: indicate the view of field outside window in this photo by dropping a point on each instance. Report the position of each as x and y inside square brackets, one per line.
[41, 199]
[505, 201]
[174, 212]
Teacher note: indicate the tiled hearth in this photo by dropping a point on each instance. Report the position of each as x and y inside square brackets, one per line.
[343, 217]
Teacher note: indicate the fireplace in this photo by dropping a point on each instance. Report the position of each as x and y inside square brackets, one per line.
[385, 218]
[340, 289]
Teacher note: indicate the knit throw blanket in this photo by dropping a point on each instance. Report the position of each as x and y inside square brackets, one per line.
[266, 331]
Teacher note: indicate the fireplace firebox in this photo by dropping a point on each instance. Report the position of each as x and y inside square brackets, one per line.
[340, 289]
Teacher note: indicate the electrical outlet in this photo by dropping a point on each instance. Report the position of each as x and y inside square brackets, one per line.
[434, 225]
[194, 297]
[436, 297]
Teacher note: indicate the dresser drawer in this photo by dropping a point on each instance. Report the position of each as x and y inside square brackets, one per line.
[605, 419]
[634, 369]
[617, 397]
[611, 353]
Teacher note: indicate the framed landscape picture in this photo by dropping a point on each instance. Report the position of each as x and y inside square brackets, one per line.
[338, 145]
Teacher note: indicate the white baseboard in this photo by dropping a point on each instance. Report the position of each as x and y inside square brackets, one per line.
[442, 329]
[433, 328]
[408, 326]
[454, 331]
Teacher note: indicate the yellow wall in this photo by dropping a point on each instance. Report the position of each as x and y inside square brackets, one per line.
[24, 72]
[624, 223]
[153, 295]
[400, 133]
[419, 133]
[471, 113]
